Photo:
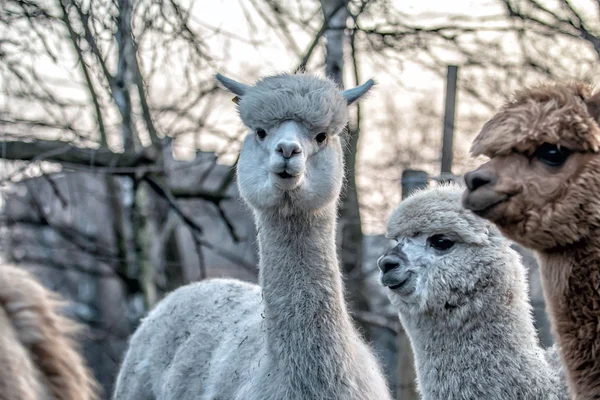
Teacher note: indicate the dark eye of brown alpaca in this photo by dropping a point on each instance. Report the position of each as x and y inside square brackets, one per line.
[440, 242]
[261, 133]
[321, 137]
[552, 155]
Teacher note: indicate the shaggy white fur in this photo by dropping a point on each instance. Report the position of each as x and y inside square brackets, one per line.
[461, 293]
[291, 337]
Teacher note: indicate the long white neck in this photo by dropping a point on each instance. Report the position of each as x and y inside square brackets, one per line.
[309, 332]
[492, 355]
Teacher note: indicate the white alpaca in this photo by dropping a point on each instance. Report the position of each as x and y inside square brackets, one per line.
[461, 293]
[291, 337]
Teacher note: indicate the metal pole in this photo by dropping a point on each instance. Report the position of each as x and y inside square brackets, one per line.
[448, 136]
[406, 389]
[413, 179]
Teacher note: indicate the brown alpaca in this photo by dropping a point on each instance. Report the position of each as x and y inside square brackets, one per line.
[38, 354]
[542, 189]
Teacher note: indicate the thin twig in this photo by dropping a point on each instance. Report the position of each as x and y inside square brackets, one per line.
[56, 190]
[317, 37]
[86, 74]
[166, 194]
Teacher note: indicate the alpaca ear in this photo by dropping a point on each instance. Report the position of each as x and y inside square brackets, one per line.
[351, 95]
[237, 88]
[593, 106]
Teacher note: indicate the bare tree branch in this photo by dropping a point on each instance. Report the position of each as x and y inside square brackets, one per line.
[166, 194]
[317, 37]
[84, 68]
[51, 150]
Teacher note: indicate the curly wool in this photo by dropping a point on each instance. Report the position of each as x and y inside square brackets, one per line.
[438, 210]
[315, 102]
[554, 210]
[291, 338]
[550, 113]
[38, 353]
[469, 318]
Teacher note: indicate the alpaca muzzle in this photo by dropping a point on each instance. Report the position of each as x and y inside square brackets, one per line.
[394, 271]
[481, 195]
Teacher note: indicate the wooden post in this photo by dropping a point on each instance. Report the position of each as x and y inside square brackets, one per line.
[406, 387]
[447, 153]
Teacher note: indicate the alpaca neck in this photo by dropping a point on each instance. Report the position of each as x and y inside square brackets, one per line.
[477, 356]
[309, 331]
[571, 278]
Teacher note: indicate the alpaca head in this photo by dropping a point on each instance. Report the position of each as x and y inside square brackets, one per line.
[446, 263]
[541, 184]
[292, 159]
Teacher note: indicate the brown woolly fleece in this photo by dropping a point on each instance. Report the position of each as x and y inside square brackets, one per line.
[555, 210]
[39, 358]
[549, 113]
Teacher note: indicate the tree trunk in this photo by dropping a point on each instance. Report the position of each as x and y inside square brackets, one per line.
[336, 36]
[350, 236]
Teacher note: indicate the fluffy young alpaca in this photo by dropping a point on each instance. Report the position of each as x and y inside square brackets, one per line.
[291, 337]
[461, 293]
[39, 358]
[541, 189]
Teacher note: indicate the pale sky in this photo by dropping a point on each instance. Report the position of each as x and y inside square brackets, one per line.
[405, 85]
[273, 56]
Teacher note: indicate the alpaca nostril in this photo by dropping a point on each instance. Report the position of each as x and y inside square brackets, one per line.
[288, 149]
[388, 263]
[479, 178]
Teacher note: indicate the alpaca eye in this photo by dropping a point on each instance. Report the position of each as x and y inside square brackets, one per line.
[320, 138]
[439, 242]
[261, 133]
[551, 154]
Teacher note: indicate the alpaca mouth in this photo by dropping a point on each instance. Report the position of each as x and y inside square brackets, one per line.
[482, 210]
[286, 181]
[285, 175]
[482, 202]
[399, 285]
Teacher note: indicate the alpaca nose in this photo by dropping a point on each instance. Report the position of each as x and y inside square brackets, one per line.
[478, 178]
[387, 263]
[288, 148]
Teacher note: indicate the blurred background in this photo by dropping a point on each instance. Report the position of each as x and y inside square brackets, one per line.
[117, 148]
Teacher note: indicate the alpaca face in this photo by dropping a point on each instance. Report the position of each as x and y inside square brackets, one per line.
[292, 159]
[290, 166]
[540, 201]
[444, 263]
[540, 186]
